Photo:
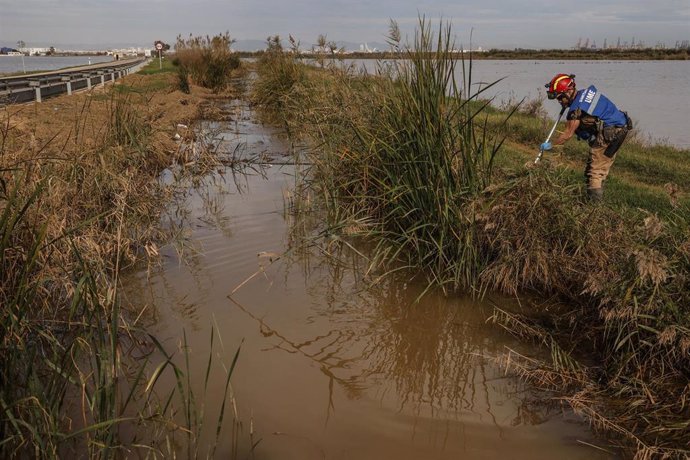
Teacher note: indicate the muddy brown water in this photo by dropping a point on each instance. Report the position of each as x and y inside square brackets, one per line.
[331, 367]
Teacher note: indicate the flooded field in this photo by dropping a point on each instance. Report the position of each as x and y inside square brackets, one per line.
[332, 365]
[647, 90]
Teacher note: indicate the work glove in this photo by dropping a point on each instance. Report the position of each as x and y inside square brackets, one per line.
[545, 146]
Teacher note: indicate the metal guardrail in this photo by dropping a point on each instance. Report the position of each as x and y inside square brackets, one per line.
[36, 87]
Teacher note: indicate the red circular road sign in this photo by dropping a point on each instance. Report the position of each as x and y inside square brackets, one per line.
[159, 46]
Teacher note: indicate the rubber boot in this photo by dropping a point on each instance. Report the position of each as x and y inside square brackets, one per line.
[595, 194]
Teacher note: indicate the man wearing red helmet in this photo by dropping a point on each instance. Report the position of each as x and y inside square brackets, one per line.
[595, 119]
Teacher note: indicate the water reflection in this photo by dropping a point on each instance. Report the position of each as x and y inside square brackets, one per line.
[429, 357]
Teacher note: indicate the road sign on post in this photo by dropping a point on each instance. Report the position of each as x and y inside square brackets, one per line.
[159, 47]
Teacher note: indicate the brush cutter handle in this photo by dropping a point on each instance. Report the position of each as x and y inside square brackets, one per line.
[546, 142]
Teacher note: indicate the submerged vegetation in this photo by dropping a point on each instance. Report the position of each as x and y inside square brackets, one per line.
[413, 162]
[80, 202]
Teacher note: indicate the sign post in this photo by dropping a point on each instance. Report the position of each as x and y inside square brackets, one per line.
[21, 45]
[159, 47]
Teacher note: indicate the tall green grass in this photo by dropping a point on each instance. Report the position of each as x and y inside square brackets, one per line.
[402, 156]
[426, 152]
[280, 74]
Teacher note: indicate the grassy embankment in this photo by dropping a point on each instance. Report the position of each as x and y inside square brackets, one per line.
[439, 184]
[80, 203]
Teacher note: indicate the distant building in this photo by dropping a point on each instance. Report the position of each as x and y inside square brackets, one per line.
[364, 48]
[36, 51]
[132, 51]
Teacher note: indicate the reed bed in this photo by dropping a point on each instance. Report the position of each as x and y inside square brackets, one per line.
[80, 202]
[409, 161]
[206, 61]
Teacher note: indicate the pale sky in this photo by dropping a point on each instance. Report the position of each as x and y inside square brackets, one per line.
[495, 23]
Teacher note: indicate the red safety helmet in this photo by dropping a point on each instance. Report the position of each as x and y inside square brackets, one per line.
[559, 85]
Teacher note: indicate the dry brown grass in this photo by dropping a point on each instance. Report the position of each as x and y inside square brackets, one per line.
[80, 200]
[619, 340]
[97, 149]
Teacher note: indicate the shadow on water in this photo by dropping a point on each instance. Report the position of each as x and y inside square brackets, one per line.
[332, 365]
